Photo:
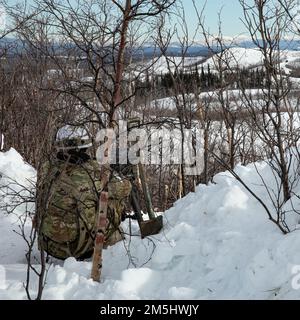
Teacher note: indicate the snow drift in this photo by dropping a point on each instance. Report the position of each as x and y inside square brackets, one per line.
[217, 243]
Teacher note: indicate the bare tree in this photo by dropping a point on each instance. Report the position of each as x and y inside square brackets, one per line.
[85, 43]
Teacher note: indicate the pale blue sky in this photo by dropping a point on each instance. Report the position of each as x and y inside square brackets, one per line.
[231, 12]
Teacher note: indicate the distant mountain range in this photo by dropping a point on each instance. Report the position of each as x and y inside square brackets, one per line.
[202, 50]
[174, 49]
[293, 45]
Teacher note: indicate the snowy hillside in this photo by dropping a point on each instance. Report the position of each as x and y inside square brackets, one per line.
[216, 243]
[235, 57]
[251, 58]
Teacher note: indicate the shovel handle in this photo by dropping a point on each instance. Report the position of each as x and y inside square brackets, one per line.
[146, 192]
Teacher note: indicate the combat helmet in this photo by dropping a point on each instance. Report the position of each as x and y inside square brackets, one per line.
[72, 138]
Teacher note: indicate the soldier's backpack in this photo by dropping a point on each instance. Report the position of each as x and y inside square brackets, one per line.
[68, 198]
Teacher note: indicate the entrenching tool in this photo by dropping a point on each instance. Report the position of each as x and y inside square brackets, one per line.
[155, 223]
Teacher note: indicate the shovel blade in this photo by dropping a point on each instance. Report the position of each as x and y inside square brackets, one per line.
[151, 227]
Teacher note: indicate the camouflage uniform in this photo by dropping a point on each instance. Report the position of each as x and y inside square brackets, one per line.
[67, 203]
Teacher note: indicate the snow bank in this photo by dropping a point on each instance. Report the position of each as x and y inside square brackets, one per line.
[14, 174]
[13, 166]
[216, 243]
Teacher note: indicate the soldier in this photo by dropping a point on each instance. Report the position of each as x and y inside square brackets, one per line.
[68, 191]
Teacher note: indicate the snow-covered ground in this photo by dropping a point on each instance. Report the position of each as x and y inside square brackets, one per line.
[216, 243]
[14, 174]
[235, 98]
